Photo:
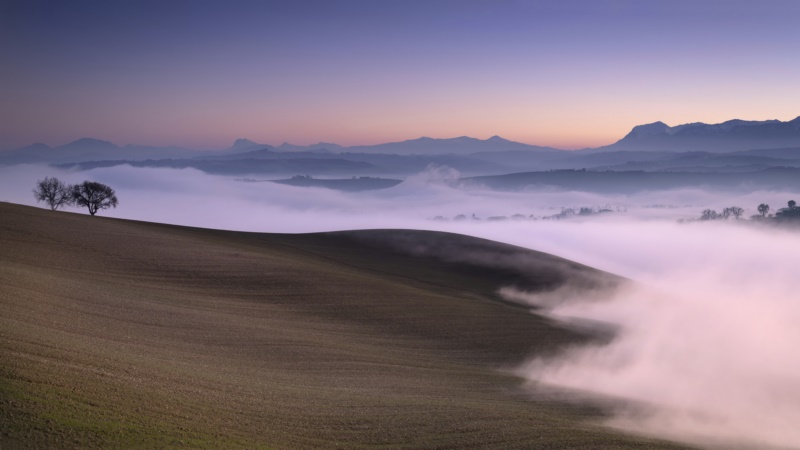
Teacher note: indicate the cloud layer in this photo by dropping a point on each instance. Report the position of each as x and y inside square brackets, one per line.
[708, 335]
[708, 330]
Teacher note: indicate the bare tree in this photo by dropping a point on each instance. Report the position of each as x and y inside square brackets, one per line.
[94, 195]
[726, 213]
[736, 211]
[709, 214]
[54, 192]
[792, 204]
[763, 209]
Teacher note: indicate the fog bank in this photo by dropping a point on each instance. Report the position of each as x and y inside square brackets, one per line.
[708, 327]
[191, 197]
[708, 335]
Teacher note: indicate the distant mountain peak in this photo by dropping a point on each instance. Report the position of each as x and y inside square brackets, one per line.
[242, 143]
[497, 138]
[89, 144]
[90, 141]
[731, 135]
[36, 146]
[646, 130]
[328, 144]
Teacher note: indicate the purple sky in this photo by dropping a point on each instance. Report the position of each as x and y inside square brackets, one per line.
[569, 74]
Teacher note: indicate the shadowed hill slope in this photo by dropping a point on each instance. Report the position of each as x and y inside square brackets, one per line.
[118, 333]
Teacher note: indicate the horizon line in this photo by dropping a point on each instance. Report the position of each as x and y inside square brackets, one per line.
[209, 149]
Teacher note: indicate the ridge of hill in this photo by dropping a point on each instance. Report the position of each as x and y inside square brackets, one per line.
[117, 333]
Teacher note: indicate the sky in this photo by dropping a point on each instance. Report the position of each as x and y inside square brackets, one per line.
[568, 74]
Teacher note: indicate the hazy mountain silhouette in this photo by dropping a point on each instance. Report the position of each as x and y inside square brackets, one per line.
[246, 145]
[422, 146]
[458, 146]
[626, 182]
[730, 136]
[322, 147]
[749, 145]
[246, 166]
[89, 149]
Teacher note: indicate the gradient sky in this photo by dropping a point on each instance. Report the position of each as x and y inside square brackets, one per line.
[569, 74]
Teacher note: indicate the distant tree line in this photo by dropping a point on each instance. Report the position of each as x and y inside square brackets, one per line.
[791, 212]
[733, 211]
[90, 194]
[564, 214]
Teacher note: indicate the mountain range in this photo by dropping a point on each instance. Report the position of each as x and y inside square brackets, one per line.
[462, 145]
[730, 136]
[89, 149]
[655, 146]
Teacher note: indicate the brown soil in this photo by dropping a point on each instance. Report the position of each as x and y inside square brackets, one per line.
[119, 333]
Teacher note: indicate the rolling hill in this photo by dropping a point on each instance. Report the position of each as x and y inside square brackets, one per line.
[118, 333]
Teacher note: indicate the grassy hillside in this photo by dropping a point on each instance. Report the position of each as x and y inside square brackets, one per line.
[117, 333]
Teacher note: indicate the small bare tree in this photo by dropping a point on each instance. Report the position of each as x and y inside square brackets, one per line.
[94, 195]
[709, 214]
[54, 192]
[734, 211]
[763, 209]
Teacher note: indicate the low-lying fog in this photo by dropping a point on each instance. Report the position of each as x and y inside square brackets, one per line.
[709, 331]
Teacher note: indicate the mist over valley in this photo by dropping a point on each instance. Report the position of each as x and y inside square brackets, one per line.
[691, 286]
[351, 224]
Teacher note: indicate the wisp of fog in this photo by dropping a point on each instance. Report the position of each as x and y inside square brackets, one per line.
[707, 328]
[708, 332]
